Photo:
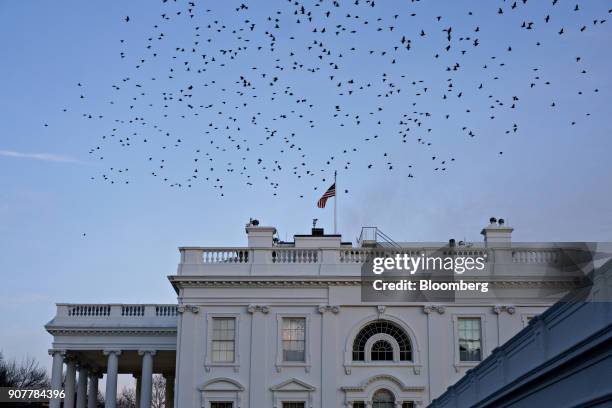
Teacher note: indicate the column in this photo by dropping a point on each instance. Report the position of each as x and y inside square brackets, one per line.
[329, 354]
[112, 369]
[259, 360]
[81, 400]
[146, 387]
[56, 374]
[92, 392]
[69, 384]
[169, 390]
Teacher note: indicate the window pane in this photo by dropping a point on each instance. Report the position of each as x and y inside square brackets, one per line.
[469, 330]
[221, 405]
[223, 339]
[293, 405]
[294, 339]
[382, 351]
[359, 404]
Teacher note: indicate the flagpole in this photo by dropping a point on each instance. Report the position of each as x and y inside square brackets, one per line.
[335, 204]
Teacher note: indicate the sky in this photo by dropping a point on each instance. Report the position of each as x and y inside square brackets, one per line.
[72, 230]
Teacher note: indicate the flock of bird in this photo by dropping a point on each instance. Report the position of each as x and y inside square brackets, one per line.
[265, 94]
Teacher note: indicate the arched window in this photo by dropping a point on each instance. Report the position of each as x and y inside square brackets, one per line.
[383, 399]
[381, 327]
[382, 351]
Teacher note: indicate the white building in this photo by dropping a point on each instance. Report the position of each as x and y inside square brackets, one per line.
[283, 325]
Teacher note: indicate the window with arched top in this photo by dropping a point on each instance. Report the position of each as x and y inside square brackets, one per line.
[383, 399]
[390, 338]
[382, 351]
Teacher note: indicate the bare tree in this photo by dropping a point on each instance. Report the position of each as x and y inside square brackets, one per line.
[127, 398]
[27, 374]
[159, 392]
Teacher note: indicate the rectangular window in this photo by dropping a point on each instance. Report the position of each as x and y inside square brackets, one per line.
[221, 405]
[293, 405]
[469, 331]
[408, 404]
[359, 404]
[223, 340]
[294, 339]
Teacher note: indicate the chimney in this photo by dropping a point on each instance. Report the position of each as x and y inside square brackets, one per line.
[497, 234]
[259, 237]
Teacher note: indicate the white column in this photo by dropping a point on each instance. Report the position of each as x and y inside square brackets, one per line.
[57, 371]
[169, 390]
[81, 400]
[112, 369]
[329, 354]
[259, 361]
[146, 382]
[92, 392]
[69, 384]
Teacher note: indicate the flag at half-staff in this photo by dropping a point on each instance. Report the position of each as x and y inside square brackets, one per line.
[331, 192]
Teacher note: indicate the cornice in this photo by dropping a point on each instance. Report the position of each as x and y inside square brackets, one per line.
[111, 331]
[324, 282]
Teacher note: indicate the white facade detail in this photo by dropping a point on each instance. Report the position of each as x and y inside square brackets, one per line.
[413, 353]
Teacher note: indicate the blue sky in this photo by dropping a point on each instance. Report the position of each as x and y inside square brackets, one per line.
[551, 183]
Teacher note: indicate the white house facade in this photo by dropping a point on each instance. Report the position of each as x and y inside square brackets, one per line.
[284, 325]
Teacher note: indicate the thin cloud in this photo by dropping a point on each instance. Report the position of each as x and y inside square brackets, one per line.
[40, 156]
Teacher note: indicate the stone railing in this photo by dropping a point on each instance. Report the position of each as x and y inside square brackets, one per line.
[355, 255]
[116, 310]
[536, 256]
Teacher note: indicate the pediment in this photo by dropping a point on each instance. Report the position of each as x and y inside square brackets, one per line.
[222, 384]
[292, 384]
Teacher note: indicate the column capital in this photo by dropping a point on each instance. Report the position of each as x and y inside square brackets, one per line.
[111, 351]
[428, 309]
[328, 308]
[62, 352]
[265, 309]
[498, 309]
[187, 308]
[147, 351]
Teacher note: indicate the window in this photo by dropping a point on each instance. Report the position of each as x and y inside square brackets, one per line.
[408, 404]
[382, 351]
[359, 404]
[383, 399]
[382, 327]
[469, 332]
[223, 341]
[293, 405]
[221, 405]
[294, 339]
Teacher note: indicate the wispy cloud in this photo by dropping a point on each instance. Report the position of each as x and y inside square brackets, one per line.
[40, 156]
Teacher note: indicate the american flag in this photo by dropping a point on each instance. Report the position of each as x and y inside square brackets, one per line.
[331, 192]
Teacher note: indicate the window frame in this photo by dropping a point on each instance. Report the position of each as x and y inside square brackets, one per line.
[483, 346]
[280, 362]
[414, 363]
[208, 360]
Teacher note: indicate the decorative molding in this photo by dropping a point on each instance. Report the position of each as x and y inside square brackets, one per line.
[316, 282]
[188, 308]
[427, 309]
[63, 352]
[498, 309]
[381, 310]
[328, 308]
[112, 331]
[265, 309]
[147, 351]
